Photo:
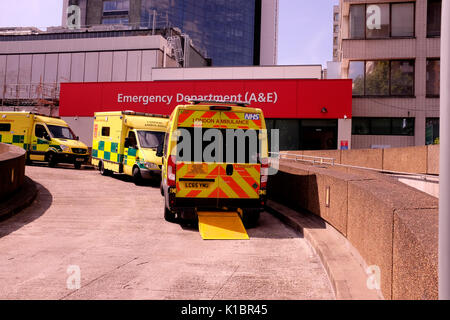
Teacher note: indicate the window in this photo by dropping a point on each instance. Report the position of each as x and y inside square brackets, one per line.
[432, 131]
[5, 127]
[117, 5]
[335, 28]
[433, 77]
[377, 78]
[336, 17]
[383, 126]
[402, 78]
[357, 21]
[60, 132]
[335, 41]
[434, 18]
[105, 131]
[356, 73]
[377, 21]
[41, 132]
[124, 21]
[402, 20]
[382, 77]
[382, 20]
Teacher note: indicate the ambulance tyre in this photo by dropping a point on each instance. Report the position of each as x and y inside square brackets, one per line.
[250, 218]
[168, 215]
[103, 171]
[51, 159]
[137, 178]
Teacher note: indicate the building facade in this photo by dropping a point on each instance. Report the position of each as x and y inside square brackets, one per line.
[231, 33]
[391, 51]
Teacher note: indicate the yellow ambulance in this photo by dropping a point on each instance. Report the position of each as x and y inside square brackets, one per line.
[215, 163]
[128, 142]
[44, 138]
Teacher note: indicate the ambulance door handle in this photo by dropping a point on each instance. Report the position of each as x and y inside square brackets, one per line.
[229, 169]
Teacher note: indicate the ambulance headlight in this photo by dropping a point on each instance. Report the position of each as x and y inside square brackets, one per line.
[150, 165]
[64, 148]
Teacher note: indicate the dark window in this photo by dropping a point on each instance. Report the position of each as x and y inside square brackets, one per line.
[402, 78]
[357, 21]
[41, 132]
[434, 18]
[383, 126]
[382, 77]
[105, 131]
[432, 131]
[402, 20]
[433, 77]
[5, 127]
[116, 6]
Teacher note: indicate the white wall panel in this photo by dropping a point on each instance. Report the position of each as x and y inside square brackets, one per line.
[51, 68]
[91, 67]
[77, 68]
[105, 66]
[2, 74]
[134, 65]
[148, 62]
[119, 66]
[64, 61]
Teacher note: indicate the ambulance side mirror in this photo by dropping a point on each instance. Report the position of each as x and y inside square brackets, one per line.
[77, 138]
[127, 143]
[159, 150]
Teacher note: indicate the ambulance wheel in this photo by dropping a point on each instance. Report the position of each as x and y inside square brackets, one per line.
[168, 215]
[77, 165]
[51, 160]
[103, 171]
[137, 178]
[161, 189]
[250, 218]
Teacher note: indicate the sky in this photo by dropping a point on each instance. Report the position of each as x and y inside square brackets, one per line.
[305, 30]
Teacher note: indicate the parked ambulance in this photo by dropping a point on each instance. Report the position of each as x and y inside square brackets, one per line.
[44, 138]
[215, 163]
[128, 142]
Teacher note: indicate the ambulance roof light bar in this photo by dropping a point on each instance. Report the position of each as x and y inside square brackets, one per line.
[237, 103]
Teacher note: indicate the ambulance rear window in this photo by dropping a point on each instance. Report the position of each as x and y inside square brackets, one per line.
[238, 146]
[5, 126]
[105, 131]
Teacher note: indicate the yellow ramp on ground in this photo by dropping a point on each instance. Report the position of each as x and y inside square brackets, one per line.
[221, 226]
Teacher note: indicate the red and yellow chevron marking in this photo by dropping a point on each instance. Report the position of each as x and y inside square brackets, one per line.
[244, 183]
[217, 119]
[191, 118]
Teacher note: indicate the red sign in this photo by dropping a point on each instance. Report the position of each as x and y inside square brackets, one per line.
[297, 98]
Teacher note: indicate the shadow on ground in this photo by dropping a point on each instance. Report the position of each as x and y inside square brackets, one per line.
[36, 209]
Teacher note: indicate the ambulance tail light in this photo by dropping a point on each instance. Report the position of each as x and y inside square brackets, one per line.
[171, 171]
[264, 172]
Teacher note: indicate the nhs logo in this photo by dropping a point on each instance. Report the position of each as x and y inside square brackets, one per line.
[251, 116]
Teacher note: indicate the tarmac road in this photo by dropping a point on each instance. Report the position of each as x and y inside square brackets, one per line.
[115, 234]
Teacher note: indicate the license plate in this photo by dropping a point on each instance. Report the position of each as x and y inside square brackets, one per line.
[79, 159]
[196, 184]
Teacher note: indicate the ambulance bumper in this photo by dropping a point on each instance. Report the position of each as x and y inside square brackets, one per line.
[149, 174]
[71, 158]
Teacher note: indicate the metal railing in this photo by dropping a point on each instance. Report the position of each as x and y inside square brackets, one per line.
[332, 162]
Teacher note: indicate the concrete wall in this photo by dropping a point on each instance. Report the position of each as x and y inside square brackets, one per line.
[420, 159]
[12, 169]
[393, 226]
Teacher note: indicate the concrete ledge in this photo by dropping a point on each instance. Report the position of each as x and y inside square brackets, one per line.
[12, 169]
[344, 270]
[19, 200]
[378, 215]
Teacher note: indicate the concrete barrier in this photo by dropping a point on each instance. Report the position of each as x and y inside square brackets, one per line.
[12, 169]
[377, 214]
[421, 159]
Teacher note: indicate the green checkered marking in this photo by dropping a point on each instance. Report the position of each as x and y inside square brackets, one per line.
[18, 139]
[132, 152]
[107, 151]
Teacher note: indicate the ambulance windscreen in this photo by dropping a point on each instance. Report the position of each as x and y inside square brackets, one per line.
[60, 132]
[150, 139]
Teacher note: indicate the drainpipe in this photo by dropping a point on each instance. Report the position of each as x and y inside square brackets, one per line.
[444, 161]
